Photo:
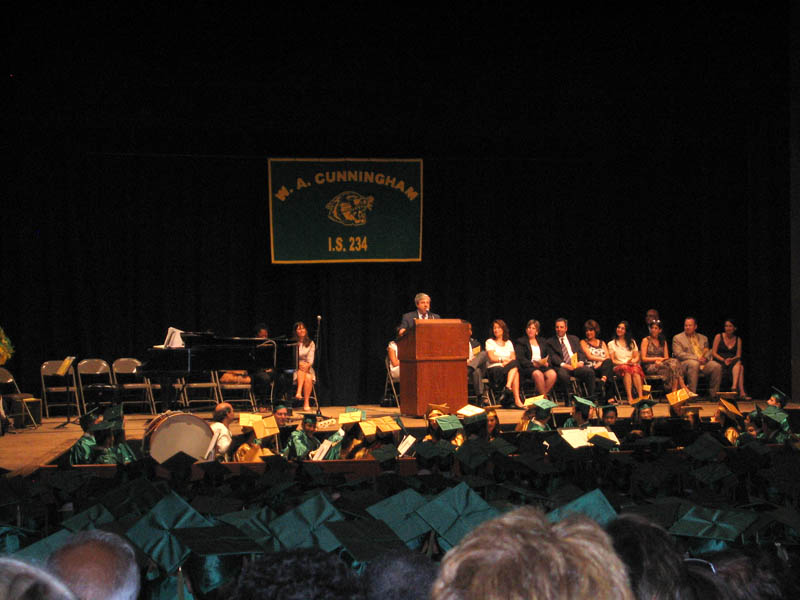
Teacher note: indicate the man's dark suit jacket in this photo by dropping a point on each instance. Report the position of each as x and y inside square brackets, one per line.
[407, 322]
[522, 348]
[554, 350]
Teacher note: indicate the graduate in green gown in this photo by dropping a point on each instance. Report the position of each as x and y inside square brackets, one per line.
[581, 412]
[82, 451]
[536, 416]
[302, 441]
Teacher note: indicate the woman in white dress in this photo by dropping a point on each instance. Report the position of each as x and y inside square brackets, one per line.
[624, 354]
[502, 367]
[304, 376]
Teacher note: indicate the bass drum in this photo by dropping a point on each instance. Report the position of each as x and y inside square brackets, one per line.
[171, 432]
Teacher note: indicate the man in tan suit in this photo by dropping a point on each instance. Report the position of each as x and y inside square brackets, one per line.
[691, 348]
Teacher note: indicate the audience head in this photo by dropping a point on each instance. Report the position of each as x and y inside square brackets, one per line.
[532, 328]
[609, 415]
[301, 333]
[651, 315]
[261, 330]
[689, 325]
[97, 565]
[522, 555]
[500, 329]
[309, 425]
[281, 414]
[296, 574]
[403, 576]
[746, 574]
[562, 326]
[624, 333]
[656, 569]
[656, 330]
[21, 581]
[492, 423]
[88, 420]
[729, 327]
[591, 326]
[223, 413]
[777, 398]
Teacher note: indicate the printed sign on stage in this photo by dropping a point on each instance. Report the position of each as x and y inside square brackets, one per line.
[345, 210]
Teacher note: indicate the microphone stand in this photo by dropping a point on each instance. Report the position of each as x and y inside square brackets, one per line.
[316, 346]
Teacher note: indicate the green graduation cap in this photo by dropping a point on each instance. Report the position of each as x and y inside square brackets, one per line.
[455, 512]
[473, 453]
[502, 446]
[216, 553]
[153, 533]
[704, 448]
[711, 523]
[216, 505]
[38, 552]
[775, 414]
[135, 498]
[91, 518]
[103, 426]
[365, 539]
[545, 404]
[711, 473]
[254, 523]
[310, 418]
[302, 526]
[448, 423]
[593, 504]
[585, 402]
[643, 403]
[385, 453]
[113, 413]
[431, 449]
[779, 395]
[399, 513]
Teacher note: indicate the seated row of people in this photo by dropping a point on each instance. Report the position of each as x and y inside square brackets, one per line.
[552, 362]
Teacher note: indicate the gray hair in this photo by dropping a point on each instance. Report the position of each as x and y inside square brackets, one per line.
[117, 577]
[22, 581]
[420, 296]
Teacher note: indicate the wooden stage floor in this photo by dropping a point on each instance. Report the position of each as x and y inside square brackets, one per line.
[23, 452]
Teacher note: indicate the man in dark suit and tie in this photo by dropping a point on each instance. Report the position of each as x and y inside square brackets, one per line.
[423, 302]
[562, 350]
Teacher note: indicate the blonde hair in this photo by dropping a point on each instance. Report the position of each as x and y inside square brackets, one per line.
[522, 555]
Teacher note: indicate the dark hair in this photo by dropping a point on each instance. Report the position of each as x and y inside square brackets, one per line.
[503, 326]
[687, 317]
[661, 337]
[610, 408]
[535, 323]
[562, 319]
[655, 566]
[306, 340]
[627, 337]
[749, 573]
[308, 573]
[397, 576]
[259, 326]
[592, 325]
[221, 411]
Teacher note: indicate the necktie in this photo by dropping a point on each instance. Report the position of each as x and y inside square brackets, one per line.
[564, 351]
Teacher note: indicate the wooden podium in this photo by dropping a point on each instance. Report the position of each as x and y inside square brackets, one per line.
[433, 365]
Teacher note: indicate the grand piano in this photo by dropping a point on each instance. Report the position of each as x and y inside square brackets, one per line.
[204, 352]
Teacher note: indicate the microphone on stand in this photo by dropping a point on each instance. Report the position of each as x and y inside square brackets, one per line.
[316, 345]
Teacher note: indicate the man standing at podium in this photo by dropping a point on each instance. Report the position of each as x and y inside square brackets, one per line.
[423, 302]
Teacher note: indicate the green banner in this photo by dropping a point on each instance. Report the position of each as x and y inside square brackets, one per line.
[345, 210]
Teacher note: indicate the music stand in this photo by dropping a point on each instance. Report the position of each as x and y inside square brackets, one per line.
[63, 371]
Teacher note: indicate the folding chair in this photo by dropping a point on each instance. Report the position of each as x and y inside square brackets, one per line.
[128, 380]
[96, 381]
[199, 381]
[390, 382]
[48, 372]
[17, 400]
[236, 387]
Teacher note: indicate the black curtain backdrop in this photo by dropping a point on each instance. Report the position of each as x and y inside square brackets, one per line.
[621, 173]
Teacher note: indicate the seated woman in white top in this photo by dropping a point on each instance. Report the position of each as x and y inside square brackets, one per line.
[304, 376]
[625, 356]
[502, 368]
[394, 360]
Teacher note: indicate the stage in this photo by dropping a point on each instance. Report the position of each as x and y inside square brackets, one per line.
[23, 452]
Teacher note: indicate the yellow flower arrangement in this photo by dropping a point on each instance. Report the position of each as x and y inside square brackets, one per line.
[6, 349]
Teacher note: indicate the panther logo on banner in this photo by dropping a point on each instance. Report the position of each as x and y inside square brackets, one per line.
[349, 208]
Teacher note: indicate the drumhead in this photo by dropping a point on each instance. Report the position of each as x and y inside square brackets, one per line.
[176, 432]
